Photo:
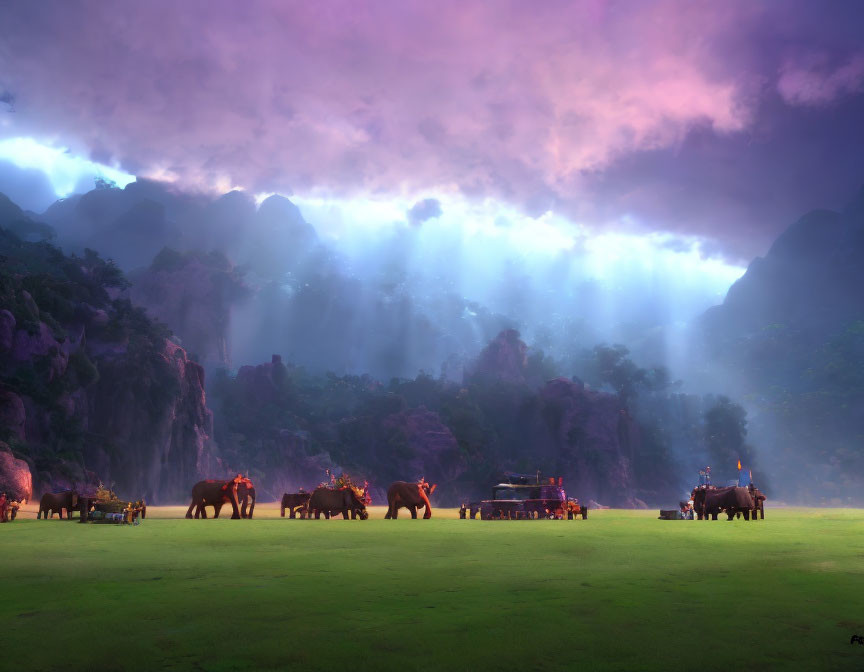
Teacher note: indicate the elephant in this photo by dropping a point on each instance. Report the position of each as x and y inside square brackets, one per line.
[733, 500]
[409, 495]
[57, 501]
[238, 492]
[759, 500]
[295, 502]
[331, 502]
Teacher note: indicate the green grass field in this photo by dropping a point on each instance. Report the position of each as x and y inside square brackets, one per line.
[620, 591]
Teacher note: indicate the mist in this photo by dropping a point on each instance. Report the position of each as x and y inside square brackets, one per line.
[579, 237]
[388, 289]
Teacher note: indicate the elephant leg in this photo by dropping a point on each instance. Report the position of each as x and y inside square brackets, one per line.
[413, 510]
[203, 508]
[389, 513]
[746, 514]
[189, 510]
[714, 515]
[282, 512]
[317, 514]
[428, 514]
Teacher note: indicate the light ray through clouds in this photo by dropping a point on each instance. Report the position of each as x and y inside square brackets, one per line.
[485, 227]
[546, 273]
[66, 172]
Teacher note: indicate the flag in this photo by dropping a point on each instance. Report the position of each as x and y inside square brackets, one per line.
[739, 465]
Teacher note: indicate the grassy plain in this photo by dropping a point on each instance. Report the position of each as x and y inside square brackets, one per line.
[620, 591]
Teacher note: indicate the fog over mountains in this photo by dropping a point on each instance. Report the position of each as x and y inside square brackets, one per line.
[389, 298]
[513, 347]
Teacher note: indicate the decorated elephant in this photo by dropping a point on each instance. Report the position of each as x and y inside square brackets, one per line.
[239, 492]
[294, 502]
[52, 502]
[330, 501]
[411, 496]
[709, 501]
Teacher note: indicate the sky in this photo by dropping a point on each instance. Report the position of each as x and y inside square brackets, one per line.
[717, 121]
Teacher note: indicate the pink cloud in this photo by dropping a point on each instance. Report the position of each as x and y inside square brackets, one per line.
[812, 81]
[521, 101]
[499, 98]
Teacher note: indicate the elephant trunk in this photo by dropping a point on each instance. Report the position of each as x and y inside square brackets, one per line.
[425, 499]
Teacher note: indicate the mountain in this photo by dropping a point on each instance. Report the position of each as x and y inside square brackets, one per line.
[789, 339]
[131, 226]
[90, 387]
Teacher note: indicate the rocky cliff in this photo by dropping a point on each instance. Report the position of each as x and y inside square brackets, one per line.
[90, 388]
[193, 293]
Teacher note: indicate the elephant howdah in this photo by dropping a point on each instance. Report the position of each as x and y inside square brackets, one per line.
[410, 496]
[238, 492]
[346, 500]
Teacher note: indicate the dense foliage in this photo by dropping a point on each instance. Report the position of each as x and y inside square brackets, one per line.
[73, 335]
[498, 424]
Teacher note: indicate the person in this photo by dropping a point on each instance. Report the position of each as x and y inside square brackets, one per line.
[701, 477]
[14, 509]
[707, 475]
[463, 510]
[4, 507]
[584, 511]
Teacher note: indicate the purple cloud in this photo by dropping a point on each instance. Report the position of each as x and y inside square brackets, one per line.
[544, 105]
[812, 81]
